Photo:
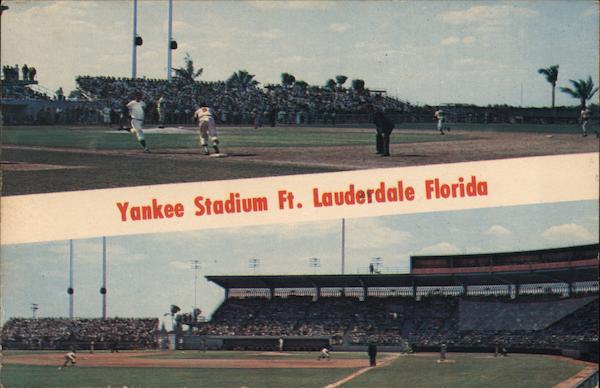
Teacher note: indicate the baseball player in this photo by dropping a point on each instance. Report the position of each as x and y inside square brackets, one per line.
[206, 122]
[324, 354]
[584, 119]
[440, 116]
[69, 359]
[136, 111]
[161, 107]
[106, 116]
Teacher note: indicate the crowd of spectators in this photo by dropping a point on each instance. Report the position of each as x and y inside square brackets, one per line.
[62, 333]
[12, 73]
[236, 104]
[404, 321]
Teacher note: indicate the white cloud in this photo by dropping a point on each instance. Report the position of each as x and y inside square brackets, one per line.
[269, 34]
[181, 265]
[451, 40]
[454, 40]
[568, 233]
[487, 15]
[443, 248]
[497, 231]
[300, 5]
[339, 27]
[591, 12]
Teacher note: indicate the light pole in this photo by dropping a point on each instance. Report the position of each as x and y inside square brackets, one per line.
[195, 266]
[70, 290]
[34, 308]
[103, 288]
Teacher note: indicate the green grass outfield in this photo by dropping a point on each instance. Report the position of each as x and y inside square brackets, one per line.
[290, 136]
[104, 138]
[467, 370]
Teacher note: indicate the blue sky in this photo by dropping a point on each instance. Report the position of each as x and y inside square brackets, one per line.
[148, 273]
[431, 52]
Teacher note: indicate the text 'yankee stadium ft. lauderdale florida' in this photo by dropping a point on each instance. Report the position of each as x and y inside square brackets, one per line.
[350, 195]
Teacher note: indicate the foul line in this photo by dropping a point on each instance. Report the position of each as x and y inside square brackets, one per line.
[359, 372]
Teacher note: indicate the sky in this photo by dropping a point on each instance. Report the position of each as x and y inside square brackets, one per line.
[148, 273]
[424, 52]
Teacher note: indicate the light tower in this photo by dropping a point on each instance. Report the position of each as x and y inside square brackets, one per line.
[171, 44]
[136, 41]
[70, 290]
[103, 288]
[195, 266]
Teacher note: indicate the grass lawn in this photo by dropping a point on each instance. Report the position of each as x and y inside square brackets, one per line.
[45, 376]
[514, 371]
[102, 138]
[466, 370]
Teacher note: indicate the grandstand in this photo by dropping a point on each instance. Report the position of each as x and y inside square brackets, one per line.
[536, 301]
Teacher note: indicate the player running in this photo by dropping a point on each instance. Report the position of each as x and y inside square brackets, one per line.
[440, 116]
[136, 111]
[206, 122]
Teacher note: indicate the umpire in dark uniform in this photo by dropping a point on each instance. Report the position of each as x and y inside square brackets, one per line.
[372, 350]
[384, 127]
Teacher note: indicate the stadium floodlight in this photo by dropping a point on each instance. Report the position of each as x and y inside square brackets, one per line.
[314, 263]
[34, 307]
[253, 264]
[377, 263]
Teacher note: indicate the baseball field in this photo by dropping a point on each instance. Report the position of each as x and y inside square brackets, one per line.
[57, 158]
[282, 369]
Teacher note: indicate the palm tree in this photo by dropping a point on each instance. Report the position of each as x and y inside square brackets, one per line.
[358, 85]
[582, 89]
[287, 79]
[242, 79]
[330, 84]
[551, 74]
[187, 73]
[340, 79]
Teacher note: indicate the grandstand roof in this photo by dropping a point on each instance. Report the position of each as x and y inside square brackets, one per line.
[578, 274]
[574, 250]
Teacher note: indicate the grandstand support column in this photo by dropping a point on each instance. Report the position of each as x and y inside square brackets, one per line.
[169, 49]
[133, 42]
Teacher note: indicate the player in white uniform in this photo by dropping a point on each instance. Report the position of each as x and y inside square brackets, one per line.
[324, 354]
[69, 359]
[106, 116]
[206, 122]
[161, 107]
[136, 111]
[440, 116]
[584, 119]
